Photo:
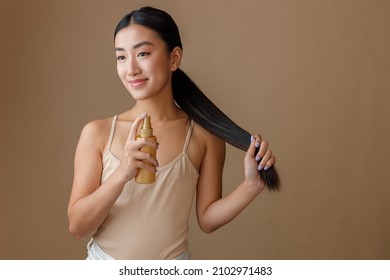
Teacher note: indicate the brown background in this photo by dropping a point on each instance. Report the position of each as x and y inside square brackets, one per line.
[313, 77]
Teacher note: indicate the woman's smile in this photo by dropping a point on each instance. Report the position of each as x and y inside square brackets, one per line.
[137, 83]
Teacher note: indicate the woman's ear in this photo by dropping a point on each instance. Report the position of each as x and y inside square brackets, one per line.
[176, 56]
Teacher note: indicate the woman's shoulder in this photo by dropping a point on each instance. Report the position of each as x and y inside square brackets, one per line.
[201, 142]
[97, 131]
[205, 137]
[98, 126]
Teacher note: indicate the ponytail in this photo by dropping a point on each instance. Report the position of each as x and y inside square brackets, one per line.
[204, 112]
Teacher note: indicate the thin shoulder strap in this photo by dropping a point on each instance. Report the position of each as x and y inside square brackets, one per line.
[188, 136]
[112, 132]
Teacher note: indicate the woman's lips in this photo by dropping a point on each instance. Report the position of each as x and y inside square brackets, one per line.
[137, 82]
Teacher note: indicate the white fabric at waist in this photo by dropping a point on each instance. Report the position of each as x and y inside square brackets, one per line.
[96, 253]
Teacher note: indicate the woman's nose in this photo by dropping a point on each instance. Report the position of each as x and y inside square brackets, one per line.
[133, 68]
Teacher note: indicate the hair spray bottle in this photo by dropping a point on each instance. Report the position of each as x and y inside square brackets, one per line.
[145, 176]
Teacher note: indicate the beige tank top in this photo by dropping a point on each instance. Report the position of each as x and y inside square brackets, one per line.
[149, 221]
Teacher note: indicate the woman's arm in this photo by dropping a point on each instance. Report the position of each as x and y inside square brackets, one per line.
[91, 201]
[213, 210]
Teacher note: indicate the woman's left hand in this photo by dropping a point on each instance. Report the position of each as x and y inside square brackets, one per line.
[264, 159]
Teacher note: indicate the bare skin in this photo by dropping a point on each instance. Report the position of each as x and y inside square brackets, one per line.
[145, 68]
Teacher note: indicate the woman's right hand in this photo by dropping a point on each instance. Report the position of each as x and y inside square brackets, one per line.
[133, 158]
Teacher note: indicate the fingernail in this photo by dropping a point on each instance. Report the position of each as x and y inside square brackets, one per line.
[257, 144]
[143, 115]
[251, 138]
[266, 168]
[260, 168]
[258, 158]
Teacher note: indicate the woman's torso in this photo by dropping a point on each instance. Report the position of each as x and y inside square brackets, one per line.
[150, 221]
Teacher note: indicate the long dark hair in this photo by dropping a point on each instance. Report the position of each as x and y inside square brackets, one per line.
[188, 95]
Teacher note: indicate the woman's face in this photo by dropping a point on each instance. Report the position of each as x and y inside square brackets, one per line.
[143, 62]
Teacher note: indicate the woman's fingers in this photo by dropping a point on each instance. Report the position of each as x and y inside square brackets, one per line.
[250, 164]
[267, 161]
[145, 157]
[145, 164]
[264, 157]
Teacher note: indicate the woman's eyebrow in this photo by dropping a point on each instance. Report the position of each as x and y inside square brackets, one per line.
[136, 46]
[141, 44]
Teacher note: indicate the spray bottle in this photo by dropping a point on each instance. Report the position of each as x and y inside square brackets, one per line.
[145, 176]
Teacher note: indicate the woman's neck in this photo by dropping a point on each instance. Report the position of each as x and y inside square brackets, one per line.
[159, 111]
[158, 107]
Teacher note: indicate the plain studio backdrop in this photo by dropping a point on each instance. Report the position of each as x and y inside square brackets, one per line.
[311, 76]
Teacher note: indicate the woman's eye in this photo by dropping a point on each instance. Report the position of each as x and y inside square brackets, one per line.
[120, 58]
[143, 54]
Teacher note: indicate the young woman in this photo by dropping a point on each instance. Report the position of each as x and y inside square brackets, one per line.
[128, 220]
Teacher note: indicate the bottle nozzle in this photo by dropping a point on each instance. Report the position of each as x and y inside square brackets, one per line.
[146, 130]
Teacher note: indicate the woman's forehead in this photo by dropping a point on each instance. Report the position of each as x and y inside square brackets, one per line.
[134, 34]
